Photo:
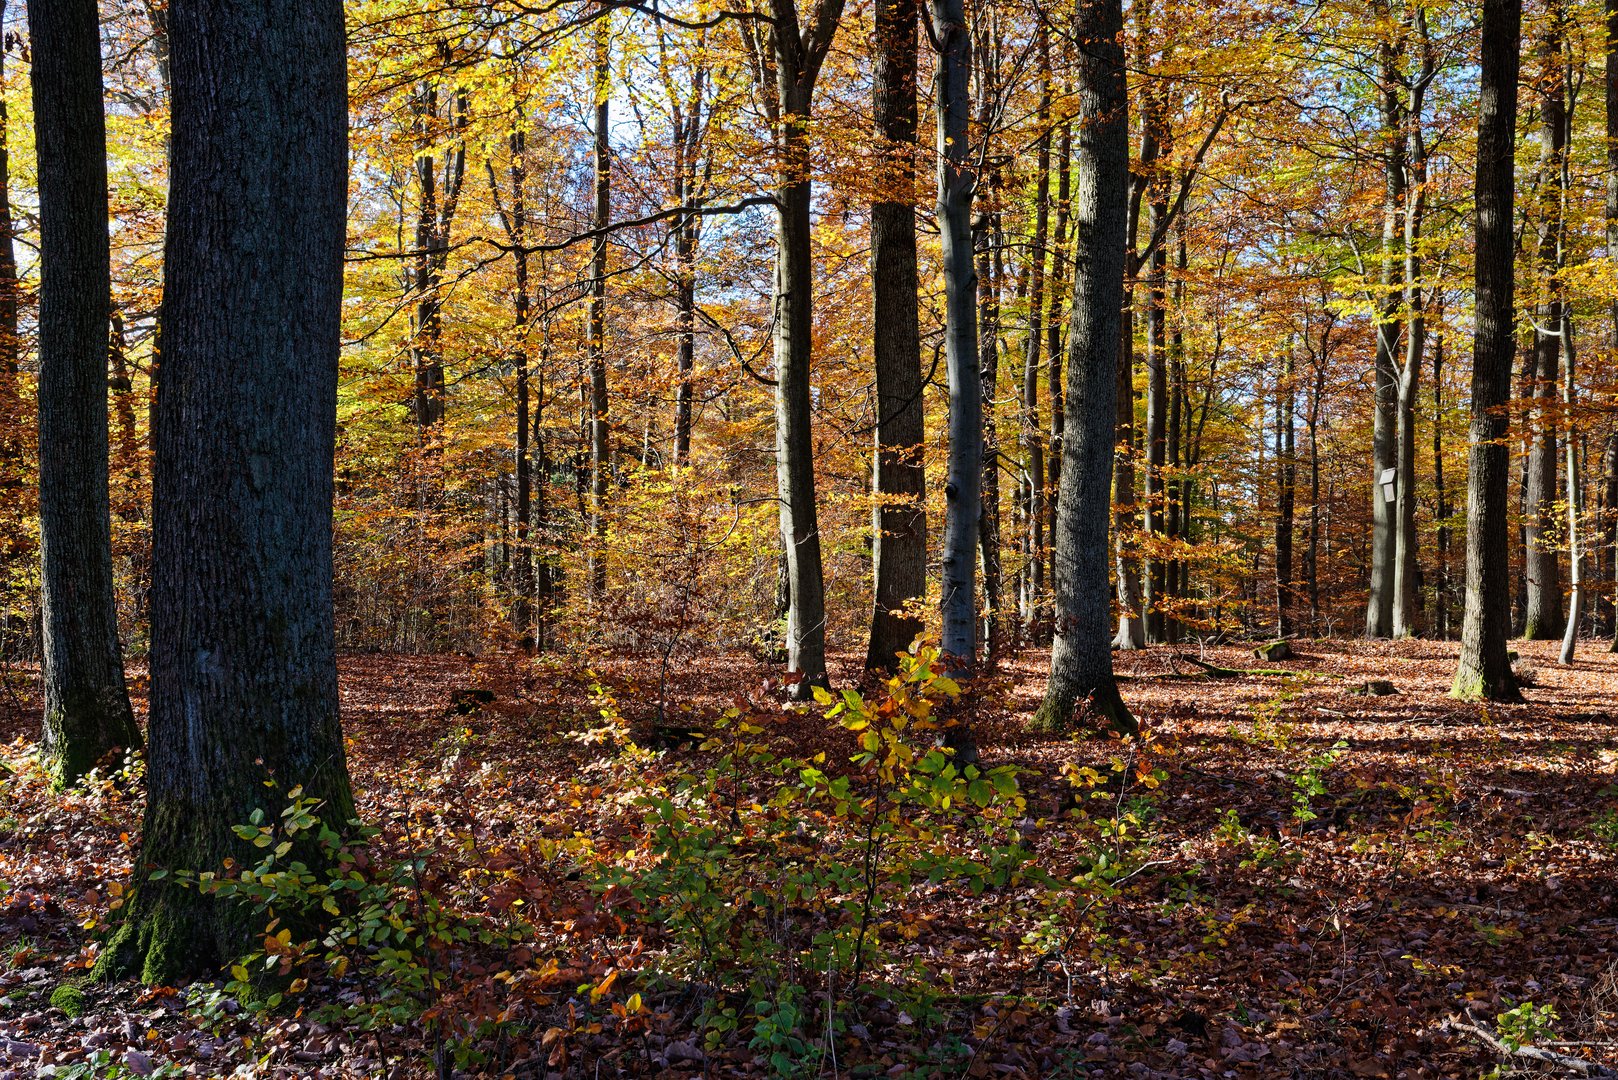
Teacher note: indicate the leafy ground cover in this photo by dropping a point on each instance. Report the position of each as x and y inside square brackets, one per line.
[1284, 877]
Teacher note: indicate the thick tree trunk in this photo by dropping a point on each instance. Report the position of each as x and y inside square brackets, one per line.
[899, 528]
[1484, 670]
[600, 450]
[87, 712]
[1081, 658]
[963, 486]
[244, 674]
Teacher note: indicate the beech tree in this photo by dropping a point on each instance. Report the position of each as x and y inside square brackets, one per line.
[1081, 656]
[1485, 670]
[244, 677]
[899, 525]
[87, 710]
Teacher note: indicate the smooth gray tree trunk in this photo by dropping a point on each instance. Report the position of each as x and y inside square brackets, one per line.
[87, 713]
[957, 182]
[244, 674]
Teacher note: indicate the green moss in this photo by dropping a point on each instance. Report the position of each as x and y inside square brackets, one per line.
[69, 999]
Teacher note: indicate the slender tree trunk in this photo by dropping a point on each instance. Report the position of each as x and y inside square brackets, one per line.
[1081, 657]
[87, 712]
[1384, 436]
[1442, 615]
[957, 183]
[1286, 484]
[1484, 670]
[1542, 617]
[899, 531]
[1156, 416]
[1610, 525]
[1131, 627]
[1061, 260]
[600, 450]
[523, 579]
[244, 674]
[989, 248]
[10, 300]
[1033, 437]
[1575, 569]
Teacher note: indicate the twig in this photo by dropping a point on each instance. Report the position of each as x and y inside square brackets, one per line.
[1577, 1066]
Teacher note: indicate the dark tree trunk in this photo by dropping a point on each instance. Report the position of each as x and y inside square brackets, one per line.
[87, 710]
[1442, 614]
[523, 580]
[899, 540]
[1286, 486]
[1542, 614]
[1484, 670]
[1609, 533]
[987, 242]
[244, 674]
[1081, 657]
[1032, 436]
[10, 345]
[600, 450]
[1152, 579]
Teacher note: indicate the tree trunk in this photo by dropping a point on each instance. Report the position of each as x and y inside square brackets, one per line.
[244, 674]
[1575, 569]
[1484, 670]
[987, 243]
[1081, 658]
[1286, 483]
[1131, 628]
[1610, 526]
[1442, 615]
[600, 451]
[1542, 616]
[1060, 262]
[1033, 437]
[10, 344]
[899, 528]
[963, 486]
[523, 579]
[87, 712]
[1156, 416]
[1384, 435]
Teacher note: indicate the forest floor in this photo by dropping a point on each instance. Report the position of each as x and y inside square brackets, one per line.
[1319, 883]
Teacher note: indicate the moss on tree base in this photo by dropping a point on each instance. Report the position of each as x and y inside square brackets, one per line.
[1056, 717]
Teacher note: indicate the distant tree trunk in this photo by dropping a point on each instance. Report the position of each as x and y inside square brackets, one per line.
[1484, 670]
[1032, 436]
[1174, 518]
[522, 610]
[1081, 658]
[1575, 569]
[1286, 485]
[957, 183]
[244, 674]
[989, 246]
[1542, 617]
[1060, 262]
[433, 219]
[1442, 615]
[1406, 567]
[87, 712]
[600, 450]
[10, 344]
[688, 193]
[1156, 410]
[1610, 525]
[899, 531]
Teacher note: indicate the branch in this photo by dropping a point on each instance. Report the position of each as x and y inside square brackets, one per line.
[1577, 1066]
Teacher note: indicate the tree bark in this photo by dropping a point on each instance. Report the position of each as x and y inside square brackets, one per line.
[1610, 525]
[1286, 484]
[1575, 502]
[1384, 436]
[1081, 657]
[1542, 615]
[1033, 437]
[600, 450]
[957, 183]
[788, 91]
[87, 713]
[1484, 670]
[244, 675]
[899, 528]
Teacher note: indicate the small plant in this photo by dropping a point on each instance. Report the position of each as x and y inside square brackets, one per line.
[1310, 781]
[1605, 827]
[1525, 1025]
